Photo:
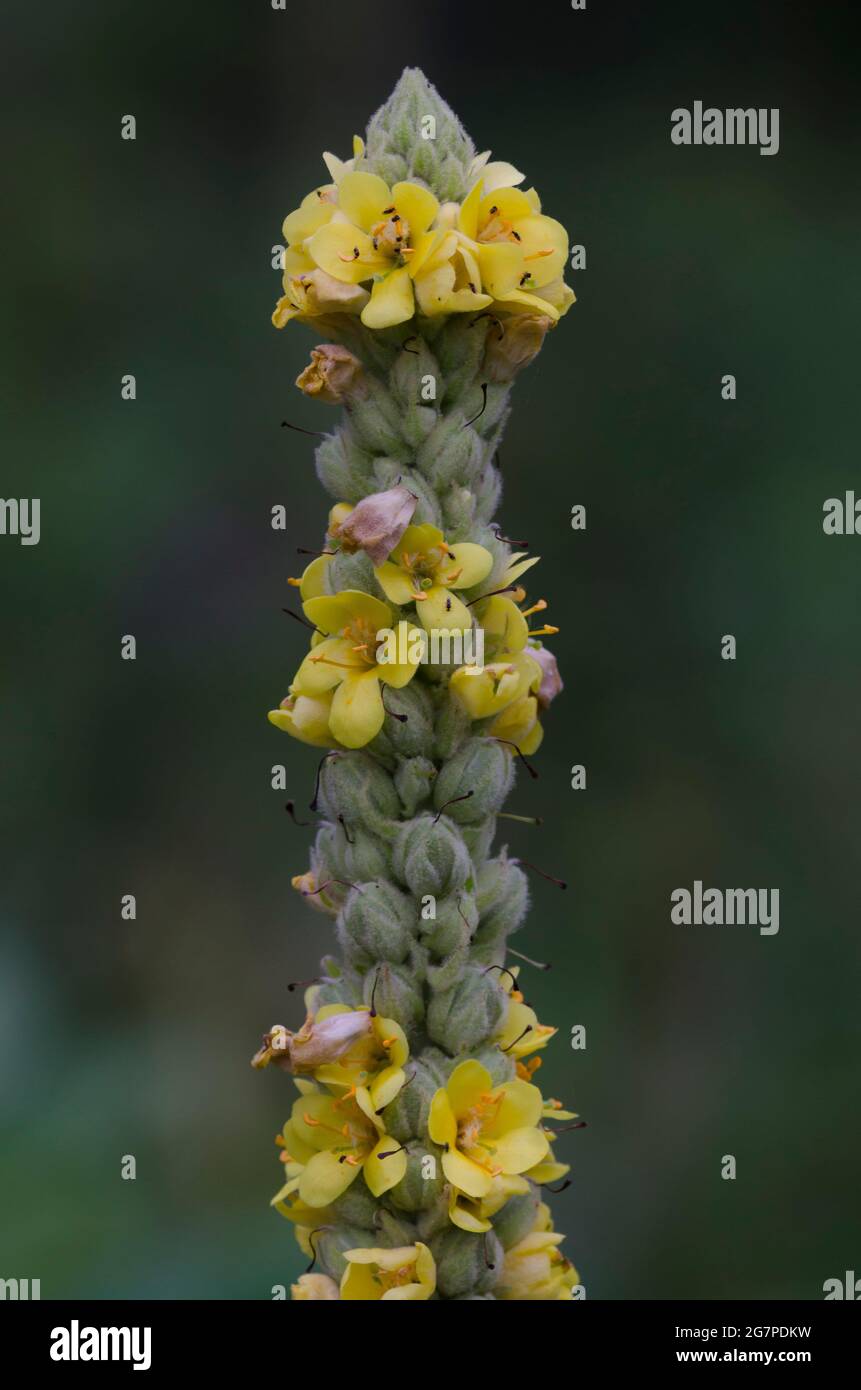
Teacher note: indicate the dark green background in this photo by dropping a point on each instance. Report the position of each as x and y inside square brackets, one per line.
[704, 517]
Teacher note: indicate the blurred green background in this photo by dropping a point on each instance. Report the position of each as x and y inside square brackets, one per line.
[704, 517]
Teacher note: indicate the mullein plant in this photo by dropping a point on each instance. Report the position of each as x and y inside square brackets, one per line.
[418, 1147]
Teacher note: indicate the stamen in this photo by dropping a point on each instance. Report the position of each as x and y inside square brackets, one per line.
[315, 434]
[525, 820]
[560, 883]
[548, 630]
[538, 607]
[522, 756]
[484, 386]
[451, 802]
[527, 1029]
[539, 964]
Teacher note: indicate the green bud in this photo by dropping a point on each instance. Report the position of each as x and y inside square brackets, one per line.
[375, 422]
[466, 1263]
[414, 781]
[460, 348]
[357, 1206]
[456, 920]
[503, 898]
[479, 838]
[469, 1013]
[415, 1192]
[344, 468]
[410, 737]
[488, 489]
[430, 856]
[352, 853]
[389, 472]
[393, 1230]
[350, 572]
[396, 992]
[407, 1115]
[458, 511]
[453, 725]
[376, 924]
[481, 767]
[355, 786]
[402, 145]
[516, 1218]
[330, 1242]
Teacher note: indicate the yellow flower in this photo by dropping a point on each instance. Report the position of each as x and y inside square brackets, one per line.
[423, 569]
[521, 1032]
[486, 1131]
[306, 717]
[390, 237]
[535, 1269]
[487, 690]
[314, 1286]
[331, 1142]
[519, 250]
[407, 1272]
[339, 167]
[381, 234]
[519, 724]
[375, 1058]
[344, 660]
[474, 1214]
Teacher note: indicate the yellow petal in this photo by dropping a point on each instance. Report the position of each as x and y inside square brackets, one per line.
[465, 1175]
[499, 174]
[357, 710]
[399, 673]
[442, 1125]
[325, 666]
[520, 1149]
[521, 1105]
[345, 252]
[465, 1086]
[395, 583]
[391, 300]
[417, 205]
[312, 213]
[442, 609]
[501, 267]
[421, 539]
[324, 1179]
[381, 1174]
[539, 235]
[461, 1216]
[467, 219]
[362, 197]
[468, 565]
[313, 582]
[334, 612]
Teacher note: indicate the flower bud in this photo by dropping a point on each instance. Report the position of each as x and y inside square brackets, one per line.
[376, 924]
[357, 1206]
[330, 1242]
[377, 523]
[456, 920]
[479, 838]
[453, 724]
[415, 1192]
[473, 1010]
[333, 375]
[481, 767]
[396, 992]
[517, 1218]
[412, 736]
[414, 782]
[355, 786]
[430, 856]
[502, 897]
[343, 467]
[407, 1114]
[519, 343]
[466, 1264]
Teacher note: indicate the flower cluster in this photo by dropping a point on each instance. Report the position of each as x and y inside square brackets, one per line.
[357, 246]
[416, 1149]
